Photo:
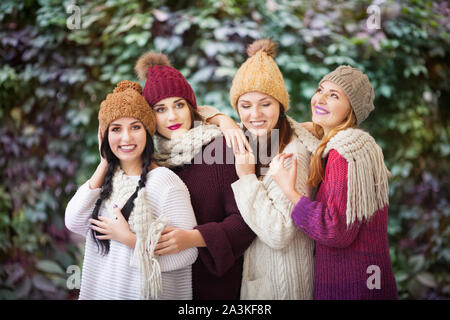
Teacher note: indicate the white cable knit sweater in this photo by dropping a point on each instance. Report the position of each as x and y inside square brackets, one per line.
[279, 264]
[115, 276]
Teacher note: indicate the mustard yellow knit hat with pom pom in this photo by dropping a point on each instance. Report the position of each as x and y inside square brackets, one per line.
[260, 73]
[126, 101]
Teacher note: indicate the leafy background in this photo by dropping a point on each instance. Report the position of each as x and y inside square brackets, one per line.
[52, 80]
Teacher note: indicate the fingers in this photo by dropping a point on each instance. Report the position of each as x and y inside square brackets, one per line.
[104, 232]
[106, 237]
[99, 223]
[167, 230]
[227, 140]
[294, 165]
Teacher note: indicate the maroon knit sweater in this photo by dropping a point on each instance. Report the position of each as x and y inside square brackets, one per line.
[343, 255]
[217, 273]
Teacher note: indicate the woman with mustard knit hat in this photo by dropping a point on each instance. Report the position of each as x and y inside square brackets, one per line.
[348, 217]
[123, 208]
[197, 153]
[279, 264]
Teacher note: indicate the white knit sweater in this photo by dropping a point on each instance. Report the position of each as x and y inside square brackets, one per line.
[113, 276]
[279, 264]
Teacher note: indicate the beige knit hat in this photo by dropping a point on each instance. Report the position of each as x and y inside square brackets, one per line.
[126, 101]
[260, 73]
[357, 87]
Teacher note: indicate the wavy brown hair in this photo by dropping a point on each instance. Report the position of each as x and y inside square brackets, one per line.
[316, 170]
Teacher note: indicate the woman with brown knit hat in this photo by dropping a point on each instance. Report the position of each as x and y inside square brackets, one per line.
[348, 217]
[123, 208]
[279, 264]
[197, 153]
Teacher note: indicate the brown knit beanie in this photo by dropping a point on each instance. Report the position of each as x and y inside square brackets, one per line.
[357, 87]
[126, 101]
[260, 73]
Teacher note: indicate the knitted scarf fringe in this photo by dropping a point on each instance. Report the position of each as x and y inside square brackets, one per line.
[147, 229]
[180, 151]
[367, 186]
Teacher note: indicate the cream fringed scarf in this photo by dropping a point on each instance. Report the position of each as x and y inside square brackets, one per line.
[367, 186]
[147, 228]
[180, 151]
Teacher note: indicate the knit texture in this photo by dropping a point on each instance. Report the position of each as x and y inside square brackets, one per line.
[344, 254]
[162, 80]
[367, 188]
[147, 229]
[180, 151]
[260, 73]
[116, 276]
[217, 273]
[280, 262]
[357, 88]
[126, 101]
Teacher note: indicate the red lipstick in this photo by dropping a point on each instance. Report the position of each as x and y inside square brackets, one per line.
[175, 126]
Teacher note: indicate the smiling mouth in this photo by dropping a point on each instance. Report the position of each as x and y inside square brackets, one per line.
[321, 111]
[128, 148]
[258, 124]
[175, 126]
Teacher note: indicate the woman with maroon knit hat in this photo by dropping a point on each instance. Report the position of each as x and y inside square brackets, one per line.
[197, 153]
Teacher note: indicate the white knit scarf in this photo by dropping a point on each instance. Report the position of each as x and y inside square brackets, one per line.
[147, 228]
[180, 151]
[367, 186]
[307, 138]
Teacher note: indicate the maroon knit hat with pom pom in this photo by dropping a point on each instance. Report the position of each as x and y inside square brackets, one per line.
[162, 80]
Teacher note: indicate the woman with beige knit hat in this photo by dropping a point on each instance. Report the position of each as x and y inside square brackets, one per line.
[123, 208]
[279, 264]
[348, 217]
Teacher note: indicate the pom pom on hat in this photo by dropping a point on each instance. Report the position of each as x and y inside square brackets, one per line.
[148, 60]
[126, 101]
[266, 45]
[126, 84]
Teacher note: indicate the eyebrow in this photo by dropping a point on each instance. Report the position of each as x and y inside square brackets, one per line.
[332, 90]
[258, 100]
[162, 104]
[119, 125]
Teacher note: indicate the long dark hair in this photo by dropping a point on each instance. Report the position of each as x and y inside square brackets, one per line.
[105, 149]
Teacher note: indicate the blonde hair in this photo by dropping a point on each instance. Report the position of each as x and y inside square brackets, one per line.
[316, 170]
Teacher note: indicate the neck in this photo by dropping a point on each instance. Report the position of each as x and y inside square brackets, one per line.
[132, 168]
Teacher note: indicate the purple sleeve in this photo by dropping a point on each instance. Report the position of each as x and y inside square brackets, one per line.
[226, 240]
[325, 220]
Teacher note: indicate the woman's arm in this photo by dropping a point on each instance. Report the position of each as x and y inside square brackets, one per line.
[234, 136]
[177, 245]
[79, 209]
[226, 239]
[266, 210]
[325, 221]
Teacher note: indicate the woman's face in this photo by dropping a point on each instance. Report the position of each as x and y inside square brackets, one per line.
[173, 117]
[259, 112]
[127, 139]
[329, 106]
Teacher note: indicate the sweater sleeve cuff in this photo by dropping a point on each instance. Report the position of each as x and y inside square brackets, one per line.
[218, 254]
[207, 112]
[298, 213]
[244, 182]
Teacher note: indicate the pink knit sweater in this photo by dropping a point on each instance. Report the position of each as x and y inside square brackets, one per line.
[353, 262]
